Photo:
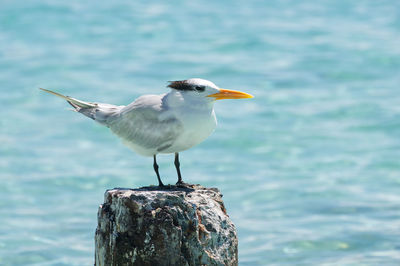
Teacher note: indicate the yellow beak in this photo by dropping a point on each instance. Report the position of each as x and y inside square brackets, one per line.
[230, 94]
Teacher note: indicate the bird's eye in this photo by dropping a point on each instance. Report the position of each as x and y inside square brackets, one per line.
[199, 88]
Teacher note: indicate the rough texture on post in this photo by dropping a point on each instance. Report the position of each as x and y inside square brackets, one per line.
[165, 226]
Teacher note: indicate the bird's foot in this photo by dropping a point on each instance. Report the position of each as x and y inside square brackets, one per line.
[182, 184]
[160, 184]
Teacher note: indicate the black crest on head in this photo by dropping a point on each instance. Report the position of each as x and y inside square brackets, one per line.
[184, 85]
[181, 85]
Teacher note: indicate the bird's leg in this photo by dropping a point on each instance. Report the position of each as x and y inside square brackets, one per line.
[177, 165]
[155, 166]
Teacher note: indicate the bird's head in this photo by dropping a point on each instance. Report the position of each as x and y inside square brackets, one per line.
[204, 89]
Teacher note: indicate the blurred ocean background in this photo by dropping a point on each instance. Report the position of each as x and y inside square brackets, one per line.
[309, 168]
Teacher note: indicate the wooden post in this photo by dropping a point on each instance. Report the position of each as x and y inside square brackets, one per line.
[165, 226]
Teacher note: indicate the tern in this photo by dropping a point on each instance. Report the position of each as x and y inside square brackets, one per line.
[161, 124]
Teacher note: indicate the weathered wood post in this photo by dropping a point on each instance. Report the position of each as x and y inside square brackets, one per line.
[165, 226]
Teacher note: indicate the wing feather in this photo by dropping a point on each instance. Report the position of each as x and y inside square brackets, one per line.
[145, 124]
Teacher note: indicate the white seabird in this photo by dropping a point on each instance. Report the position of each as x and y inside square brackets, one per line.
[166, 123]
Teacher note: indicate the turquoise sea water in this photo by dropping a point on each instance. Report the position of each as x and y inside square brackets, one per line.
[309, 168]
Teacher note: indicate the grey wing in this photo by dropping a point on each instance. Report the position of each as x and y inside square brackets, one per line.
[144, 123]
[101, 113]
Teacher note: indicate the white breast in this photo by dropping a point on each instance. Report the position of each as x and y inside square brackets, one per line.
[198, 122]
[195, 131]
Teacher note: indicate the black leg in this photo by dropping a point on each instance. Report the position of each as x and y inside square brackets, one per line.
[177, 165]
[155, 166]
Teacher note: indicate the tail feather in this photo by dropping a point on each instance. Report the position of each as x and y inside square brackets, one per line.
[100, 112]
[74, 102]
